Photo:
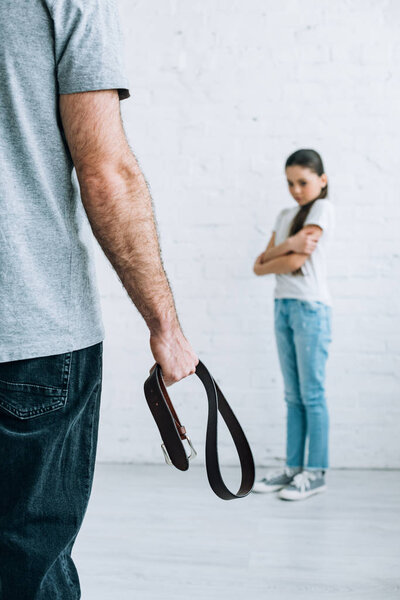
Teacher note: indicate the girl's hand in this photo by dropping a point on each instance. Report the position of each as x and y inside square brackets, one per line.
[304, 242]
[259, 259]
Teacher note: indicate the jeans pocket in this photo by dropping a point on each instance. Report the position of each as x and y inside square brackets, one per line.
[34, 386]
[311, 306]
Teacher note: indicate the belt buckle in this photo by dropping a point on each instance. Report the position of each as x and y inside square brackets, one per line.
[192, 454]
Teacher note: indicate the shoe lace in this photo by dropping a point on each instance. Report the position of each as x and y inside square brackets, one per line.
[302, 480]
[279, 472]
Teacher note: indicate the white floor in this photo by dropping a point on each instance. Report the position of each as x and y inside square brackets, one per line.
[152, 532]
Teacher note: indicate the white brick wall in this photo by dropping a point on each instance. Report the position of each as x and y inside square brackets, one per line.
[222, 92]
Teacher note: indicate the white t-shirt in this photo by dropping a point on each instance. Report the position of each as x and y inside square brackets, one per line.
[312, 285]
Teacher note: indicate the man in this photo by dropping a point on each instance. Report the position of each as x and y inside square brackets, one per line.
[61, 80]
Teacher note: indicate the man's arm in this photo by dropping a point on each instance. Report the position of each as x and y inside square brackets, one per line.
[118, 204]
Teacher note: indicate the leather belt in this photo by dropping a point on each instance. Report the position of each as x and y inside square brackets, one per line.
[173, 433]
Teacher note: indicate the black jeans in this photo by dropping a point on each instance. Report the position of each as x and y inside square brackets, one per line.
[49, 414]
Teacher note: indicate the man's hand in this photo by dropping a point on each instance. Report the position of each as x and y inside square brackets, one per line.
[174, 354]
[304, 242]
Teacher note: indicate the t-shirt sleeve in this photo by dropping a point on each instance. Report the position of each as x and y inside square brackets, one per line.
[321, 214]
[89, 47]
[277, 222]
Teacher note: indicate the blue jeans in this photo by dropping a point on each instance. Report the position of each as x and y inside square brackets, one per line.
[303, 333]
[49, 413]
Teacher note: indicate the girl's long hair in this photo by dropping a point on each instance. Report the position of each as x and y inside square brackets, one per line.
[309, 159]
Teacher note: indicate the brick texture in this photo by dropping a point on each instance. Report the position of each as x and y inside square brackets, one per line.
[222, 93]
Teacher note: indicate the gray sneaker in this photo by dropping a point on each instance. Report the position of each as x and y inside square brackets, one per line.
[276, 481]
[303, 485]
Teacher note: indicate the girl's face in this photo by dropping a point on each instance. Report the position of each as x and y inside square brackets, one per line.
[304, 184]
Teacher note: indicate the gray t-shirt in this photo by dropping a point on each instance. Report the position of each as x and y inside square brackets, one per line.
[49, 301]
[313, 284]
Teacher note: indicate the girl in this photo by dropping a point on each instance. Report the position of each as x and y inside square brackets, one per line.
[296, 254]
